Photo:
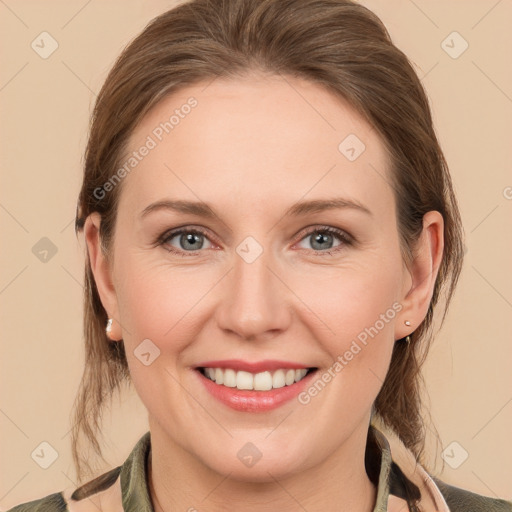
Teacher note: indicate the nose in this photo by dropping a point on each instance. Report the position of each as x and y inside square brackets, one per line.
[255, 302]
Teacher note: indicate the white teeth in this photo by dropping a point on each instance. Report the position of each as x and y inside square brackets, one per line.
[229, 378]
[262, 381]
[244, 380]
[290, 377]
[278, 379]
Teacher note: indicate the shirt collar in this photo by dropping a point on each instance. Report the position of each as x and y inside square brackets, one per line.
[134, 478]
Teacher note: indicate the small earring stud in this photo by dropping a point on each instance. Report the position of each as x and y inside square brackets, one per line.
[407, 323]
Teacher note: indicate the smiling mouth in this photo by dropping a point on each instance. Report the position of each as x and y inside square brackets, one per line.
[262, 381]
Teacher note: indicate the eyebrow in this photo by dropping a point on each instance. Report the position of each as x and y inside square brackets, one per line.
[202, 209]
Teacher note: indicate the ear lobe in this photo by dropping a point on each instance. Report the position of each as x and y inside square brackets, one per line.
[423, 271]
[102, 271]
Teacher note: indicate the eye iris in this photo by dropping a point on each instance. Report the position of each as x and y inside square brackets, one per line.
[190, 238]
[321, 237]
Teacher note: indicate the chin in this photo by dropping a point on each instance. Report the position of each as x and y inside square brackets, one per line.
[247, 463]
[260, 473]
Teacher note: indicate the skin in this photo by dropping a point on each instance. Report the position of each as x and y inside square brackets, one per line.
[253, 147]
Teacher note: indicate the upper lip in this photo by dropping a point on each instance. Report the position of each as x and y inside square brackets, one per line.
[252, 366]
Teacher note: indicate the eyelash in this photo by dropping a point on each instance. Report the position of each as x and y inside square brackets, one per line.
[342, 236]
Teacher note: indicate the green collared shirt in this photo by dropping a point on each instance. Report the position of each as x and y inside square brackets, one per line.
[382, 471]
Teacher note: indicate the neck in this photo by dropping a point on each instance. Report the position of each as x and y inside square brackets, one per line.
[178, 481]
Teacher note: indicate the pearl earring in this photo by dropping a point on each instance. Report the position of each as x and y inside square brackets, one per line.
[108, 329]
[408, 337]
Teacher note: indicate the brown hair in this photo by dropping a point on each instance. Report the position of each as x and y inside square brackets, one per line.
[338, 44]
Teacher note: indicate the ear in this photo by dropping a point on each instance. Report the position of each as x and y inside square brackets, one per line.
[102, 271]
[422, 273]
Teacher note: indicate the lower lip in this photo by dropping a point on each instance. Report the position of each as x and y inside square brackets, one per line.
[254, 401]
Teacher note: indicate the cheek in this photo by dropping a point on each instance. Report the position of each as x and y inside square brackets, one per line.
[355, 313]
[158, 302]
[156, 311]
[347, 302]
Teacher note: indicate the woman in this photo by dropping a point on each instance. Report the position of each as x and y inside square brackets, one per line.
[270, 223]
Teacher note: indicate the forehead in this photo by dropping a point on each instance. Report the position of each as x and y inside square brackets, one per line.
[255, 140]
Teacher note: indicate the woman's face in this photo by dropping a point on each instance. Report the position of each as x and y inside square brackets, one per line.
[257, 285]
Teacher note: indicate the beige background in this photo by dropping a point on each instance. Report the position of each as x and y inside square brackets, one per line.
[45, 104]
